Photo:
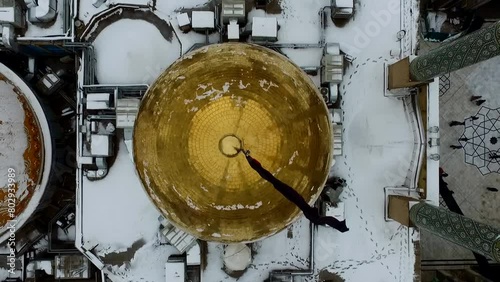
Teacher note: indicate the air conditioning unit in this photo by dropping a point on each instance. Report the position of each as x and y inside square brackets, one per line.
[184, 22]
[98, 101]
[203, 20]
[233, 31]
[325, 92]
[233, 10]
[332, 68]
[11, 13]
[126, 112]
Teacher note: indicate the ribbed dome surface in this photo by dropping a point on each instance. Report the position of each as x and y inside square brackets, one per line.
[205, 106]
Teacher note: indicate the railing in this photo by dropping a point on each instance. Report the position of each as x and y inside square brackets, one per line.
[88, 61]
[415, 118]
[106, 13]
[94, 21]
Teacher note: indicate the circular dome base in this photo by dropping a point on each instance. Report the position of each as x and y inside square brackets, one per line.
[237, 257]
[147, 55]
[26, 154]
[206, 108]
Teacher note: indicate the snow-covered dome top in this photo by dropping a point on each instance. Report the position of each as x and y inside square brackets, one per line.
[25, 154]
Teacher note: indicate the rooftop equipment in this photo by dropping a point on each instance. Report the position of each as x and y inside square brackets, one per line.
[203, 20]
[126, 112]
[184, 22]
[175, 269]
[45, 11]
[264, 29]
[181, 240]
[72, 267]
[233, 31]
[233, 10]
[332, 70]
[342, 9]
[11, 13]
[100, 145]
[98, 3]
[51, 82]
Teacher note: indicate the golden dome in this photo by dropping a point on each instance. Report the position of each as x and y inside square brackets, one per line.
[201, 110]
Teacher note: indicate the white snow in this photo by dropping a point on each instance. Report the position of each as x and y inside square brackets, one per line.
[117, 205]
[233, 30]
[304, 57]
[372, 31]
[345, 3]
[299, 21]
[42, 244]
[4, 274]
[148, 264]
[45, 265]
[378, 142]
[146, 56]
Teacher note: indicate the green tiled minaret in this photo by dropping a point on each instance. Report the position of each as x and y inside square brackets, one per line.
[475, 236]
[468, 50]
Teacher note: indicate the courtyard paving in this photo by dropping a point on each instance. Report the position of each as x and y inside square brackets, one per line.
[466, 180]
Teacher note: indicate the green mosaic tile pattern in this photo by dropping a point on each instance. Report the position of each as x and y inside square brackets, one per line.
[470, 234]
[468, 50]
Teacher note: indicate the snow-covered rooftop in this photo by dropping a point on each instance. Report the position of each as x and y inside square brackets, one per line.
[138, 48]
[120, 221]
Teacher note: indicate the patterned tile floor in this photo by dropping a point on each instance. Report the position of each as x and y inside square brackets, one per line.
[480, 140]
[468, 183]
